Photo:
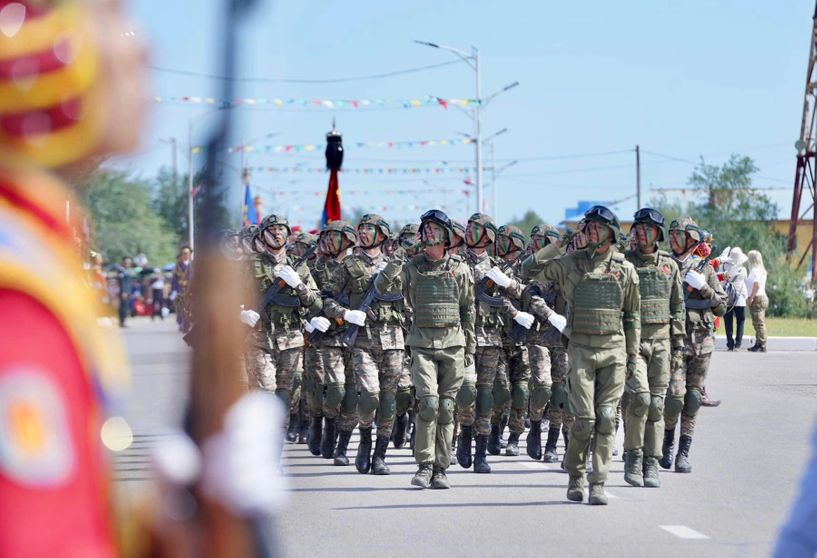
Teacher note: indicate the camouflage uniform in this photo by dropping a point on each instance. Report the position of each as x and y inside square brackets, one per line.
[662, 333]
[685, 394]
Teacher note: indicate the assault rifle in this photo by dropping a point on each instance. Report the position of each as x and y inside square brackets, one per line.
[371, 295]
[481, 288]
[696, 304]
[272, 294]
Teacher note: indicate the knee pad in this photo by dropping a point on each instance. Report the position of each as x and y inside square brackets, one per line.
[539, 396]
[334, 394]
[605, 419]
[388, 405]
[692, 401]
[519, 396]
[639, 403]
[558, 397]
[656, 408]
[403, 401]
[466, 395]
[485, 401]
[582, 429]
[349, 404]
[501, 394]
[673, 405]
[428, 408]
[445, 413]
[367, 402]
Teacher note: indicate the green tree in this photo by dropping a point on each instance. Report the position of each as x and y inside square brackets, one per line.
[529, 220]
[124, 220]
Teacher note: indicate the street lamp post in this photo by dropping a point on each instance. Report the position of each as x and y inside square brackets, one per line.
[472, 60]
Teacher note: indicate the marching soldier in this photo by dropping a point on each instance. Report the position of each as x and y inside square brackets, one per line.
[704, 298]
[440, 290]
[662, 345]
[601, 289]
[377, 351]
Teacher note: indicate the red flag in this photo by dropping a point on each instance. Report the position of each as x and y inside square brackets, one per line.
[331, 207]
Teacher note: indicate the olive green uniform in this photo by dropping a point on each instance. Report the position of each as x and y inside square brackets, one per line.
[604, 329]
[441, 337]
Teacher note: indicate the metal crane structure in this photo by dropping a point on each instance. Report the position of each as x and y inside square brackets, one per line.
[806, 170]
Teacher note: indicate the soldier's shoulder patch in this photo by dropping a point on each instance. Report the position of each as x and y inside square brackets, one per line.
[35, 442]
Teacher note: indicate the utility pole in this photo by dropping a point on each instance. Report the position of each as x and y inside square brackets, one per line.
[190, 224]
[638, 177]
[478, 127]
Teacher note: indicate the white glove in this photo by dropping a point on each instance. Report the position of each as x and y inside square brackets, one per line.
[173, 296]
[308, 327]
[524, 319]
[497, 276]
[470, 372]
[241, 461]
[249, 317]
[558, 321]
[694, 279]
[725, 254]
[289, 275]
[177, 459]
[320, 323]
[355, 317]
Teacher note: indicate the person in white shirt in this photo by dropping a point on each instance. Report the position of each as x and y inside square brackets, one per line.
[757, 300]
[734, 273]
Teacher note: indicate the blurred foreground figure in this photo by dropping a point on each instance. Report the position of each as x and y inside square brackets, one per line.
[64, 66]
[798, 538]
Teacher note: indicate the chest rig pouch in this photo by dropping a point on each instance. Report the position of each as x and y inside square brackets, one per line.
[436, 299]
[597, 301]
[654, 285]
[384, 307]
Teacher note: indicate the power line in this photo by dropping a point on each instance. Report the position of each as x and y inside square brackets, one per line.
[382, 75]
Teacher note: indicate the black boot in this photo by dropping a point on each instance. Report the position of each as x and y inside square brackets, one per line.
[294, 426]
[379, 460]
[494, 446]
[399, 433]
[503, 424]
[480, 462]
[412, 430]
[512, 448]
[303, 431]
[667, 449]
[340, 451]
[328, 439]
[567, 439]
[534, 440]
[682, 464]
[363, 461]
[550, 447]
[464, 446]
[314, 437]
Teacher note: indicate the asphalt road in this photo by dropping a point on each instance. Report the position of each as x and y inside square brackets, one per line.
[748, 456]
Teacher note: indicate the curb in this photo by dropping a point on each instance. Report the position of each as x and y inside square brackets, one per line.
[775, 343]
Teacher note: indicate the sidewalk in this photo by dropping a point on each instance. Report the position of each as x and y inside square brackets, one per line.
[774, 343]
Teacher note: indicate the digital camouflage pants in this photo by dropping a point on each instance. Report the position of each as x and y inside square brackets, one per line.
[475, 400]
[377, 373]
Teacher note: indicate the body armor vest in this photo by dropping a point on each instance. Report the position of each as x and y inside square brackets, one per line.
[655, 288]
[436, 299]
[597, 301]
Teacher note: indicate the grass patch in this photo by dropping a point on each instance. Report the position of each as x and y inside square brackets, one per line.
[779, 327]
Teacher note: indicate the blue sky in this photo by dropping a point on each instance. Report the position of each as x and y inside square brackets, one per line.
[596, 78]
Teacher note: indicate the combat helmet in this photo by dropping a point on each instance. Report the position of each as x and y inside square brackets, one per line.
[515, 235]
[273, 219]
[650, 217]
[546, 230]
[343, 227]
[688, 226]
[437, 216]
[487, 223]
[603, 215]
[378, 222]
[458, 231]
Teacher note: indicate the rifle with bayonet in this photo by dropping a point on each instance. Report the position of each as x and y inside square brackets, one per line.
[272, 294]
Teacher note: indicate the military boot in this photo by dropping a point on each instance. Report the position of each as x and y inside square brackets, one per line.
[682, 464]
[667, 448]
[480, 462]
[294, 426]
[534, 440]
[363, 461]
[314, 437]
[512, 448]
[575, 489]
[439, 480]
[597, 495]
[303, 431]
[651, 479]
[422, 477]
[567, 439]
[399, 433]
[379, 466]
[494, 447]
[503, 424]
[340, 451]
[550, 447]
[464, 446]
[634, 467]
[328, 439]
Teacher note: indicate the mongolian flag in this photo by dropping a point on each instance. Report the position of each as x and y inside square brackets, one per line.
[249, 215]
[331, 207]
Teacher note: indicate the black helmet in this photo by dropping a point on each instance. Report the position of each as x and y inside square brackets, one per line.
[651, 217]
[603, 215]
[437, 216]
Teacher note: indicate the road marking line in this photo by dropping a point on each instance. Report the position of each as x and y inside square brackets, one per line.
[683, 532]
